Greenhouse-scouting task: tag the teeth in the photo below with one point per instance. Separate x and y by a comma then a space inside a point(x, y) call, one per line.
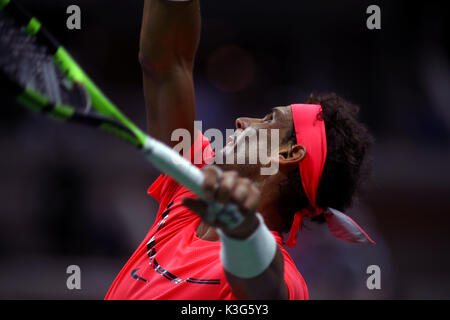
point(233, 138)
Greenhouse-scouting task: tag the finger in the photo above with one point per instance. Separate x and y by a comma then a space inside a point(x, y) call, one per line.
point(226, 186)
point(212, 176)
point(251, 203)
point(241, 190)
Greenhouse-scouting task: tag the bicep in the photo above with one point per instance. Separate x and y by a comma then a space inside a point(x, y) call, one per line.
point(170, 102)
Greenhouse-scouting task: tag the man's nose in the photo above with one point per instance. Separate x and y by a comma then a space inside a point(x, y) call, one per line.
point(244, 123)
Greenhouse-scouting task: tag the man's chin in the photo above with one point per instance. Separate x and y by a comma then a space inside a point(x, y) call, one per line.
point(244, 170)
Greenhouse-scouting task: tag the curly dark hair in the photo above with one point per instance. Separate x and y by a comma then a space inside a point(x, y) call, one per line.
point(346, 165)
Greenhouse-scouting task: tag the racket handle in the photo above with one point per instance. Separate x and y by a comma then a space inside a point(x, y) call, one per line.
point(185, 173)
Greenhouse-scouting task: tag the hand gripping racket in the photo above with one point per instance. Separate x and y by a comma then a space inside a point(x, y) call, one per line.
point(40, 74)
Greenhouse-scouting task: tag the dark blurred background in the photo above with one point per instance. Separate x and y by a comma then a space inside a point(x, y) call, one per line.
point(70, 195)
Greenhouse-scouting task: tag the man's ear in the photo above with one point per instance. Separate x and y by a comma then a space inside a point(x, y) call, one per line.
point(291, 157)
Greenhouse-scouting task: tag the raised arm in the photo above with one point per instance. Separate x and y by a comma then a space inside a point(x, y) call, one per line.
point(169, 39)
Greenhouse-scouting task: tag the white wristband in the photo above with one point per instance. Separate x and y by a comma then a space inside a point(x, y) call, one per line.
point(249, 257)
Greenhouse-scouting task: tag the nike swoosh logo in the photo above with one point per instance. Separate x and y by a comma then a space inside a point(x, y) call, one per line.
point(135, 276)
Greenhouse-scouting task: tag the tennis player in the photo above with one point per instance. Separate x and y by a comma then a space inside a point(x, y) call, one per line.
point(190, 252)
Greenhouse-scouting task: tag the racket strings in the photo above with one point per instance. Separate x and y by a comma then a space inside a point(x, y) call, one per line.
point(20, 56)
point(30, 64)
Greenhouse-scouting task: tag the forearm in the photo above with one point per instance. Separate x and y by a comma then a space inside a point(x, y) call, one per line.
point(170, 34)
point(254, 266)
point(269, 285)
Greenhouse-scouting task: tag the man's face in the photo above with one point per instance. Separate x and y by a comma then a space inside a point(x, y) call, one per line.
point(256, 137)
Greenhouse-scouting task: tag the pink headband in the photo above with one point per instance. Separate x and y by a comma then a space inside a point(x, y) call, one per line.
point(310, 132)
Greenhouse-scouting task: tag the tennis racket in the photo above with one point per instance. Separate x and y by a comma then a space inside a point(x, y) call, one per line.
point(39, 74)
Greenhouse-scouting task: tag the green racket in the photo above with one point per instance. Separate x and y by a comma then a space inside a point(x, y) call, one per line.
point(38, 73)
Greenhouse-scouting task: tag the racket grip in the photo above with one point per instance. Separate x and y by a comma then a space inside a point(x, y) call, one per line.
point(185, 173)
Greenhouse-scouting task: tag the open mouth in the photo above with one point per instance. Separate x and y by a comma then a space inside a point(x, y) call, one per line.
point(233, 138)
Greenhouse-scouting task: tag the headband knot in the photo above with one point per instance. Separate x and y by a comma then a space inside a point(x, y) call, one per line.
point(310, 132)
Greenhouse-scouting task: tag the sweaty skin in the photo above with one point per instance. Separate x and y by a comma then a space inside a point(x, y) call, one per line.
point(239, 181)
point(169, 38)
